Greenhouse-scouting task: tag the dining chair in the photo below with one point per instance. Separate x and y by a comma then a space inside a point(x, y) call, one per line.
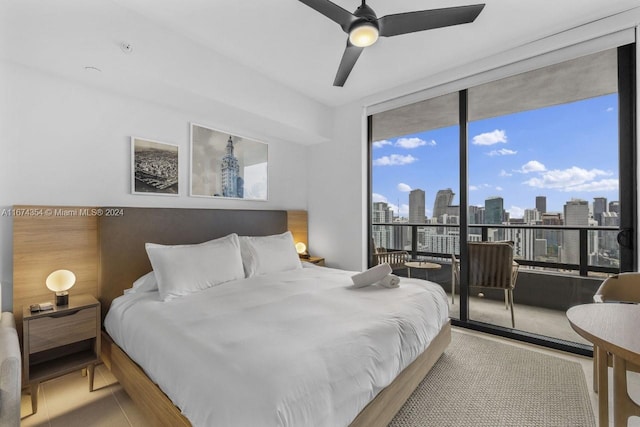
point(619, 288)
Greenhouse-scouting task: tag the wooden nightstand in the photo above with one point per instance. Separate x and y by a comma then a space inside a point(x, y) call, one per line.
point(59, 341)
point(314, 260)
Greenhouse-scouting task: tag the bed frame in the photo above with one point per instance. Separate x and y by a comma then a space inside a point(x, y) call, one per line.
point(121, 258)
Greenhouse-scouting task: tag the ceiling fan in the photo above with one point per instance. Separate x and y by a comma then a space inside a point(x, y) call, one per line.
point(364, 27)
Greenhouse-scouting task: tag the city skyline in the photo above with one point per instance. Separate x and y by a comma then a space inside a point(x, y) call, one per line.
point(563, 152)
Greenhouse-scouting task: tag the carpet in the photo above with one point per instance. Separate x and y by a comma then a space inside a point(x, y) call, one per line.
point(479, 382)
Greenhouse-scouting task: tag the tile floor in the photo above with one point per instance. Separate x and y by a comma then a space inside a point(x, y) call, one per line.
point(66, 401)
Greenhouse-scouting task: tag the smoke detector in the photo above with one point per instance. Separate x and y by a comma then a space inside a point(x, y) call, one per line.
point(126, 47)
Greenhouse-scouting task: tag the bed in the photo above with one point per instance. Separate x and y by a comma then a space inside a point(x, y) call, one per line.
point(294, 348)
point(122, 260)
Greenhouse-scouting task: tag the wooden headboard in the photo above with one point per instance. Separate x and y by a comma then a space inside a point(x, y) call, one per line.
point(122, 254)
point(107, 251)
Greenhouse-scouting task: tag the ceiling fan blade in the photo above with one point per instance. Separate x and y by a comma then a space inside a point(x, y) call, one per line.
point(343, 17)
point(410, 22)
point(349, 58)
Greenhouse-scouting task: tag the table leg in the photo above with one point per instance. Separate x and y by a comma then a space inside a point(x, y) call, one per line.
point(34, 387)
point(623, 405)
point(409, 272)
point(602, 374)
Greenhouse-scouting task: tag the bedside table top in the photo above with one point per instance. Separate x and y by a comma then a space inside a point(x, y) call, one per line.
point(75, 302)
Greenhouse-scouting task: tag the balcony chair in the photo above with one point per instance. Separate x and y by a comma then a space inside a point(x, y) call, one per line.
point(395, 259)
point(621, 288)
point(491, 265)
point(455, 278)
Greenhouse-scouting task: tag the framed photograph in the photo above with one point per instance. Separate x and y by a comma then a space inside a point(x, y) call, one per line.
point(227, 165)
point(154, 167)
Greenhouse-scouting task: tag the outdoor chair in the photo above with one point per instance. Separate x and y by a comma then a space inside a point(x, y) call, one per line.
point(491, 265)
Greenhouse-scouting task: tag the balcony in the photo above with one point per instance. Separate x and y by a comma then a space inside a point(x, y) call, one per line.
point(551, 278)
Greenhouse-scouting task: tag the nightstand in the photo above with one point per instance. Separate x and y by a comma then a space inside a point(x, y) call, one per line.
point(56, 342)
point(314, 260)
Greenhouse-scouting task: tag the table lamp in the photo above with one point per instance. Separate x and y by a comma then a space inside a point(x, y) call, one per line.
point(60, 281)
point(301, 248)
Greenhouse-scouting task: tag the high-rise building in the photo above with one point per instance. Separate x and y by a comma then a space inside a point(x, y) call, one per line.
point(599, 207)
point(417, 206)
point(553, 237)
point(531, 216)
point(382, 234)
point(541, 204)
point(614, 207)
point(444, 198)
point(576, 212)
point(231, 181)
point(494, 210)
point(476, 214)
point(609, 239)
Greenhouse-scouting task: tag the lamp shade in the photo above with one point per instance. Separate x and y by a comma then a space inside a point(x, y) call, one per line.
point(301, 248)
point(60, 280)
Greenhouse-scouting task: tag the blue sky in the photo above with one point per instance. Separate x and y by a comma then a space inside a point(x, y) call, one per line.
point(561, 152)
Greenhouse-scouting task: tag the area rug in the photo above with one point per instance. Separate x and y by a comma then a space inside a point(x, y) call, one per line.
point(481, 382)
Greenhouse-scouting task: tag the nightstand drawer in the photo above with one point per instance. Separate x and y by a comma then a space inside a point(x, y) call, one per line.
point(55, 330)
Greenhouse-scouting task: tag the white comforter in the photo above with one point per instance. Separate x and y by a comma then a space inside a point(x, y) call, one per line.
point(299, 348)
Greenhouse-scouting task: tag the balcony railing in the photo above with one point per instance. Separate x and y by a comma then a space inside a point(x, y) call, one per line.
point(605, 235)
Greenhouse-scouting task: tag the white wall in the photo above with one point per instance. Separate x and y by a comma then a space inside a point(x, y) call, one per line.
point(65, 143)
point(338, 191)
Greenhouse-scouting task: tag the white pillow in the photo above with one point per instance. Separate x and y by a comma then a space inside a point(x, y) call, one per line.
point(269, 254)
point(184, 269)
point(146, 283)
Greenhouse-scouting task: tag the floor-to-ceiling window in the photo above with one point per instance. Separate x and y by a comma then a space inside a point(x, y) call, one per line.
point(546, 161)
point(543, 150)
point(414, 181)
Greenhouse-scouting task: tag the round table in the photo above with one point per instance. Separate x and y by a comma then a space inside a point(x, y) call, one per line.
point(422, 265)
point(612, 328)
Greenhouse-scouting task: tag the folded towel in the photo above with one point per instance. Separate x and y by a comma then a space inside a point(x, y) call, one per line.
point(390, 281)
point(371, 276)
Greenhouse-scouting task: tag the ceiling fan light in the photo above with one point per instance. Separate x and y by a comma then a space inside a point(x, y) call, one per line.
point(363, 35)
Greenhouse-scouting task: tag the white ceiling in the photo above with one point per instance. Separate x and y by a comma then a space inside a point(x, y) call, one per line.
point(284, 40)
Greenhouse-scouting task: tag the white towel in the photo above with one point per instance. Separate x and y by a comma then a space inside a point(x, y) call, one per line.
point(390, 281)
point(371, 276)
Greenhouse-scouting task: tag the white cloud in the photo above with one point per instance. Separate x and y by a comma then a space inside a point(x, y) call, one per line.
point(532, 166)
point(573, 179)
point(502, 152)
point(610, 109)
point(405, 188)
point(499, 188)
point(505, 173)
point(410, 143)
point(515, 212)
point(490, 138)
point(378, 198)
point(602, 185)
point(478, 187)
point(394, 160)
point(381, 143)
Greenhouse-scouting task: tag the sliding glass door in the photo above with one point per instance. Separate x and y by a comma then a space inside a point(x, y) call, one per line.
point(543, 151)
point(414, 180)
point(544, 159)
